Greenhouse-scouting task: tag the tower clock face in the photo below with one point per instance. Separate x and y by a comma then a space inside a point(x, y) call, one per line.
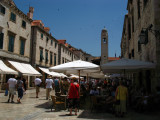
point(104, 40)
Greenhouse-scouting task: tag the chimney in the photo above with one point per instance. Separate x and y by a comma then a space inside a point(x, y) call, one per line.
point(46, 29)
point(30, 14)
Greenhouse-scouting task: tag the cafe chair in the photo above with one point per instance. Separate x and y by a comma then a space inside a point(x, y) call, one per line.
point(55, 102)
point(94, 103)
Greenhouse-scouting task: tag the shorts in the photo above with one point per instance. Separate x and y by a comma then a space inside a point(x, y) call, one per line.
point(73, 102)
point(12, 91)
point(37, 89)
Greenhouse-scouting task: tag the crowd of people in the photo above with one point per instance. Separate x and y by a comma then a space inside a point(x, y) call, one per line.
point(117, 92)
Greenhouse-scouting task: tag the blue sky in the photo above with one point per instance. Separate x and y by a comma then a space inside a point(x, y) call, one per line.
point(80, 21)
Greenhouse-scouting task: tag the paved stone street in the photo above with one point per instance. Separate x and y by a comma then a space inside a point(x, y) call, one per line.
point(33, 108)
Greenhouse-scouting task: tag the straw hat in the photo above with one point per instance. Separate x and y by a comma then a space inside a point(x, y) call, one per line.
point(49, 76)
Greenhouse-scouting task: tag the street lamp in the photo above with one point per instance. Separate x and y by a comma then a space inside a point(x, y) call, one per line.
point(143, 37)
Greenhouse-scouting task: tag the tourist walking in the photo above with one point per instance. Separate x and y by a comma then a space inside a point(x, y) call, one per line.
point(12, 88)
point(20, 88)
point(57, 85)
point(37, 82)
point(49, 84)
point(121, 94)
point(73, 95)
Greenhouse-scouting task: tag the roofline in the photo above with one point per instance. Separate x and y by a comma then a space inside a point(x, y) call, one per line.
point(19, 11)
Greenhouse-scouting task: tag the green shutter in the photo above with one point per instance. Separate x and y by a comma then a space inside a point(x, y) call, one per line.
point(41, 55)
point(54, 59)
point(22, 47)
point(1, 40)
point(13, 17)
point(11, 43)
point(46, 56)
point(51, 58)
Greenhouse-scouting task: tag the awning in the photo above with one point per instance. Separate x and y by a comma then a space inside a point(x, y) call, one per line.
point(6, 70)
point(54, 74)
point(25, 69)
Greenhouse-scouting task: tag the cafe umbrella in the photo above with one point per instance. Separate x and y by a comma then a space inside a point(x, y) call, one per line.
point(78, 66)
point(126, 64)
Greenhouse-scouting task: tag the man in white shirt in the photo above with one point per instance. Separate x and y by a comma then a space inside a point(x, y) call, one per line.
point(12, 88)
point(37, 82)
point(49, 84)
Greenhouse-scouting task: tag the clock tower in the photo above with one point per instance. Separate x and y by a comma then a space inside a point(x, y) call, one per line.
point(104, 46)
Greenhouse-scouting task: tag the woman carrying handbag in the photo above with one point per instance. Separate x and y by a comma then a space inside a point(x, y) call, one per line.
point(121, 99)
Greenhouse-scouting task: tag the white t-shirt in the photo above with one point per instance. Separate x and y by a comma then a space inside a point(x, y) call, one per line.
point(49, 83)
point(12, 82)
point(37, 81)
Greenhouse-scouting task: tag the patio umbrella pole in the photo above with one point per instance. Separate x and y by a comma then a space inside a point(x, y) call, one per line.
point(79, 76)
point(87, 77)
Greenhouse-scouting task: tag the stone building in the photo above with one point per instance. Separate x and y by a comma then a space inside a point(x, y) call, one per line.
point(141, 40)
point(65, 54)
point(15, 29)
point(44, 47)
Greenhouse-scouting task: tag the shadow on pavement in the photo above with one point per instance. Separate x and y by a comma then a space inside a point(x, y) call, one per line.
point(95, 115)
point(45, 105)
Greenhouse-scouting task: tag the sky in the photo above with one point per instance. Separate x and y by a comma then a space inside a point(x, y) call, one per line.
point(80, 22)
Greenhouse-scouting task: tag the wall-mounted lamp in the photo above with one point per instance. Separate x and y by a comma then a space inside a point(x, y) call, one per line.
point(143, 37)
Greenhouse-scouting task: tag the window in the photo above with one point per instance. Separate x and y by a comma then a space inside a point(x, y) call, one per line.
point(139, 47)
point(46, 56)
point(129, 55)
point(41, 35)
point(23, 24)
point(13, 17)
point(22, 46)
point(51, 55)
point(132, 20)
point(55, 57)
point(129, 29)
point(47, 39)
point(145, 2)
point(1, 40)
point(104, 40)
point(132, 52)
point(2, 9)
point(55, 44)
point(63, 60)
point(11, 43)
point(139, 9)
point(41, 55)
point(51, 42)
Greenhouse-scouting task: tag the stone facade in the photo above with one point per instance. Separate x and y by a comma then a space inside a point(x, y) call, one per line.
point(65, 54)
point(44, 48)
point(14, 28)
point(143, 15)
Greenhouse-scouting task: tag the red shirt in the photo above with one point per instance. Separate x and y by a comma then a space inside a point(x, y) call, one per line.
point(74, 91)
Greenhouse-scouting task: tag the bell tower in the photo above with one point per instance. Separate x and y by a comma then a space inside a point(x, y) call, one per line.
point(104, 46)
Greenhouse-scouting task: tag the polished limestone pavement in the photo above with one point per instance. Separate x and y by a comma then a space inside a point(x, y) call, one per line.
point(33, 108)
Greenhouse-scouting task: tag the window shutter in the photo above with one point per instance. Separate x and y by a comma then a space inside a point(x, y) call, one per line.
point(3, 10)
point(1, 40)
point(11, 43)
point(22, 47)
